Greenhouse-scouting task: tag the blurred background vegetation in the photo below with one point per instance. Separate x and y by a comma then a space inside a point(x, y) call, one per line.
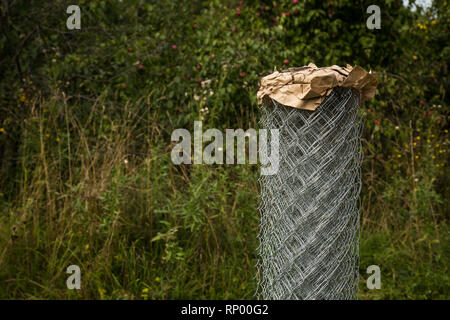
point(85, 121)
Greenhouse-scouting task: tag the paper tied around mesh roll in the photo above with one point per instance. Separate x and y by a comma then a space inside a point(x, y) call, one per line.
point(306, 87)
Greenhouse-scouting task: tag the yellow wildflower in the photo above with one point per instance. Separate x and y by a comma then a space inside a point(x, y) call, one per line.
point(101, 292)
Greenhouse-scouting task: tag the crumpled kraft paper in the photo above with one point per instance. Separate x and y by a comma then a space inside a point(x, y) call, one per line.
point(306, 87)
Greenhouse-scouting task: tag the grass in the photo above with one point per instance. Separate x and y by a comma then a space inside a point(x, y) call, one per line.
point(101, 192)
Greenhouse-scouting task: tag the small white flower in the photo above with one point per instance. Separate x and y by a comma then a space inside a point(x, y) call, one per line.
point(205, 83)
point(125, 161)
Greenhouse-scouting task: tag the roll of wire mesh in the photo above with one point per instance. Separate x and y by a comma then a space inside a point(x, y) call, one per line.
point(309, 229)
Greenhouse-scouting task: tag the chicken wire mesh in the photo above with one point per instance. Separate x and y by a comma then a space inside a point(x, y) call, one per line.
point(309, 229)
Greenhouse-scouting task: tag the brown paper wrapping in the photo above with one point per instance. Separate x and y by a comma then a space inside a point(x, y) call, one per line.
point(306, 87)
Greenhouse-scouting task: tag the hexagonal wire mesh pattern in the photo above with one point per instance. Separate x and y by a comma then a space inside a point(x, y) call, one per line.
point(309, 229)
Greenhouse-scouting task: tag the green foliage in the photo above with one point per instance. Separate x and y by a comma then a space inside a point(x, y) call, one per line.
point(85, 123)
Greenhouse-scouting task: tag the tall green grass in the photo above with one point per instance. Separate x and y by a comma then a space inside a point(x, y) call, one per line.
point(140, 227)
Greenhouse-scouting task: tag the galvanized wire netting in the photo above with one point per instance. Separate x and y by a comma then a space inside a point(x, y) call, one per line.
point(309, 233)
